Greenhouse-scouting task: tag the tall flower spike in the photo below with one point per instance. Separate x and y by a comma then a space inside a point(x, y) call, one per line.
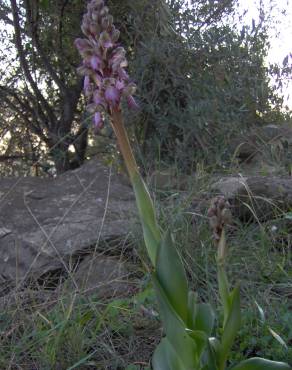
point(106, 82)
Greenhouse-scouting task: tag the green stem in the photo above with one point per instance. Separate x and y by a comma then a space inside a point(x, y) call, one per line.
point(124, 143)
point(224, 290)
point(144, 202)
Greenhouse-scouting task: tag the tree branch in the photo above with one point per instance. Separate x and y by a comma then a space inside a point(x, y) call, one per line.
point(36, 129)
point(4, 15)
point(216, 13)
point(33, 25)
point(4, 158)
point(24, 63)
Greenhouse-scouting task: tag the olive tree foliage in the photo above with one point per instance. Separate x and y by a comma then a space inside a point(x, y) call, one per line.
point(202, 82)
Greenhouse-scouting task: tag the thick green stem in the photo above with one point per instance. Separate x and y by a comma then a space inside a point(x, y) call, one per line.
point(145, 206)
point(124, 143)
point(224, 290)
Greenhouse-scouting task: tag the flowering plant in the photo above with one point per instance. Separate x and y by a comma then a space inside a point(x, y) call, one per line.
point(188, 343)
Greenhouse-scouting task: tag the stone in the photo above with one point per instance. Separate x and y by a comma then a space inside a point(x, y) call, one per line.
point(169, 179)
point(260, 198)
point(229, 186)
point(44, 221)
point(102, 276)
point(257, 151)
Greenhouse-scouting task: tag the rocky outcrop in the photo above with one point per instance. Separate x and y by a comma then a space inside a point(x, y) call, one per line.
point(257, 197)
point(257, 150)
point(46, 224)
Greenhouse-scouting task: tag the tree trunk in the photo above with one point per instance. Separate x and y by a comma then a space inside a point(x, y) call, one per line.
point(60, 156)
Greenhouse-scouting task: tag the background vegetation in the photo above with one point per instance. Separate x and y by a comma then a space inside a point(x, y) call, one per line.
point(200, 79)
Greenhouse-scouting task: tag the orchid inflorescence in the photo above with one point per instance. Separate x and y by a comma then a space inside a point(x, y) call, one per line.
point(219, 215)
point(106, 80)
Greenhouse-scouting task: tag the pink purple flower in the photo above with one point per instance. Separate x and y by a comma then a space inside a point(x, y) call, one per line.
point(106, 81)
point(98, 121)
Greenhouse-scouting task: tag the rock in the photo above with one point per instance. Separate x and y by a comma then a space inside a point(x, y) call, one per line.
point(103, 276)
point(169, 180)
point(229, 186)
point(257, 197)
point(44, 222)
point(258, 150)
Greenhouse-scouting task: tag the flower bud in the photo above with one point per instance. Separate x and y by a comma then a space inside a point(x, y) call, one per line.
point(95, 5)
point(120, 85)
point(98, 99)
point(105, 40)
point(105, 23)
point(95, 62)
point(86, 82)
point(130, 89)
point(83, 71)
point(213, 221)
point(98, 121)
point(132, 104)
point(104, 11)
point(226, 216)
point(221, 202)
point(115, 35)
point(88, 87)
point(82, 45)
point(112, 95)
point(94, 29)
point(211, 212)
point(91, 108)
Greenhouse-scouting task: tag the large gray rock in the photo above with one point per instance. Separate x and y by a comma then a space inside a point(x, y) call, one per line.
point(256, 197)
point(229, 186)
point(44, 222)
point(263, 150)
point(103, 276)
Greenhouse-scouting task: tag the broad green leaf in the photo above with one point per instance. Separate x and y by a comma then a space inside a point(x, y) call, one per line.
point(231, 328)
point(192, 310)
point(165, 358)
point(210, 355)
point(147, 215)
point(205, 318)
point(196, 333)
point(151, 242)
point(200, 339)
point(171, 276)
point(257, 363)
point(176, 333)
point(215, 345)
